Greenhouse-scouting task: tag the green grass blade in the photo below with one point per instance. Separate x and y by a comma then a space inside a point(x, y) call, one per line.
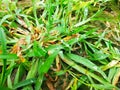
point(50, 11)
point(4, 19)
point(104, 87)
point(19, 74)
point(89, 19)
point(83, 70)
point(24, 83)
point(86, 63)
point(3, 41)
point(8, 56)
point(4, 51)
point(38, 51)
point(9, 81)
point(9, 74)
point(32, 72)
point(45, 67)
point(111, 73)
point(35, 12)
point(39, 81)
point(4, 88)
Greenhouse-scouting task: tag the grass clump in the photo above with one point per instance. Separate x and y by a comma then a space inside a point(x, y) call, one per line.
point(59, 44)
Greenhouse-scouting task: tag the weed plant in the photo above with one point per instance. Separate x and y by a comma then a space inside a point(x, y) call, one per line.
point(59, 44)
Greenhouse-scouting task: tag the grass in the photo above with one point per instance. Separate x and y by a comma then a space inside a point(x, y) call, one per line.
point(59, 44)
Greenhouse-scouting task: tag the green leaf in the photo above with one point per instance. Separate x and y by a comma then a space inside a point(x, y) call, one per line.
point(9, 74)
point(89, 19)
point(82, 70)
point(24, 83)
point(19, 74)
point(99, 55)
point(8, 56)
point(4, 88)
point(4, 51)
point(9, 81)
point(85, 13)
point(39, 81)
point(32, 72)
point(3, 41)
point(4, 18)
point(79, 29)
point(100, 86)
point(61, 72)
point(52, 48)
point(111, 73)
point(86, 63)
point(38, 51)
point(46, 65)
point(100, 38)
point(73, 41)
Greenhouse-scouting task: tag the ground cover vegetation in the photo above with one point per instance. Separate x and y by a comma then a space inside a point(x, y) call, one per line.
point(59, 44)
